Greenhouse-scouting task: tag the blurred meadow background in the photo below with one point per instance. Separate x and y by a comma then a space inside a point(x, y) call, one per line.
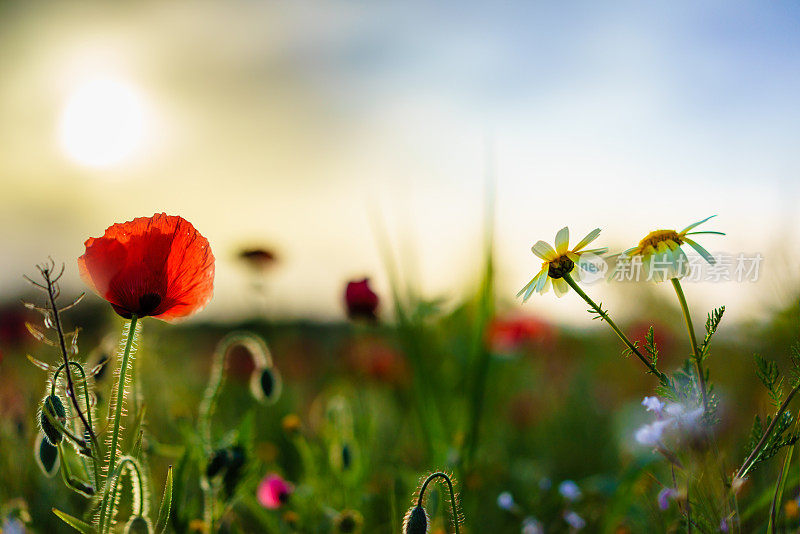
point(425, 146)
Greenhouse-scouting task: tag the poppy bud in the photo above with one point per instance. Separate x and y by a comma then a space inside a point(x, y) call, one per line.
point(81, 487)
point(218, 462)
point(46, 456)
point(342, 456)
point(52, 408)
point(416, 521)
point(236, 461)
point(361, 301)
point(138, 525)
point(266, 385)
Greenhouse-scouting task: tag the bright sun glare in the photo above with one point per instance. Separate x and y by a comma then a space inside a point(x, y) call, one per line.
point(103, 122)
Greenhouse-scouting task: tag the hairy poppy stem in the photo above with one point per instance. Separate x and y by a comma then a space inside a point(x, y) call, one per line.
point(121, 394)
point(695, 350)
point(112, 453)
point(52, 293)
point(453, 502)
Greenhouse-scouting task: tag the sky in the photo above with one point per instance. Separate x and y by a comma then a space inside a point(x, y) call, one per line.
point(300, 126)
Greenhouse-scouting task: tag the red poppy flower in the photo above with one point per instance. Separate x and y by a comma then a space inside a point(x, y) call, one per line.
point(361, 301)
point(157, 266)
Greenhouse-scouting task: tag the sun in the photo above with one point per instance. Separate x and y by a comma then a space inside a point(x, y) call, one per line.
point(103, 123)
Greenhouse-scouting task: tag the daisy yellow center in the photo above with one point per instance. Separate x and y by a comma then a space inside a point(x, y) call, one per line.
point(671, 238)
point(560, 266)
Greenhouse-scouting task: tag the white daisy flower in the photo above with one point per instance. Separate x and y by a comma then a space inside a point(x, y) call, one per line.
point(661, 253)
point(559, 261)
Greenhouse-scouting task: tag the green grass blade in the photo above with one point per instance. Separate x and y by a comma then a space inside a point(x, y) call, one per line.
point(75, 523)
point(779, 487)
point(166, 504)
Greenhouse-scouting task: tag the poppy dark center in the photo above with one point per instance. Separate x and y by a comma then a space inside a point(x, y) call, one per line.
point(283, 496)
point(148, 304)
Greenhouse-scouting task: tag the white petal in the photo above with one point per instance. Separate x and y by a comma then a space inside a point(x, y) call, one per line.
point(528, 289)
point(562, 241)
point(545, 286)
point(700, 250)
point(542, 279)
point(693, 225)
point(591, 236)
point(560, 287)
point(544, 251)
point(597, 251)
point(681, 263)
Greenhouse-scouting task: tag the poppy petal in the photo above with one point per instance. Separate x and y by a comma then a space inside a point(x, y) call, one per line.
point(156, 266)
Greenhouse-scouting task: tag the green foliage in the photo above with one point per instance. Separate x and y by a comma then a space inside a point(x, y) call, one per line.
point(166, 503)
point(777, 439)
point(74, 522)
point(769, 374)
point(712, 323)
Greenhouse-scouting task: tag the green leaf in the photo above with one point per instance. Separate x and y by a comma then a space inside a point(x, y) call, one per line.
point(75, 523)
point(166, 503)
point(779, 488)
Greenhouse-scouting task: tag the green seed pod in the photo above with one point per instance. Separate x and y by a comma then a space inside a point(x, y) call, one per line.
point(138, 525)
point(46, 456)
point(52, 405)
point(416, 521)
point(266, 385)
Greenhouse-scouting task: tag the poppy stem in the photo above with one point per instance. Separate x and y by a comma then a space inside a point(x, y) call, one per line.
point(453, 501)
point(120, 398)
point(121, 393)
point(628, 343)
point(52, 294)
point(695, 350)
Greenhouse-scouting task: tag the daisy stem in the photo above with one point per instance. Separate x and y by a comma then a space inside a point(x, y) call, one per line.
point(695, 350)
point(628, 343)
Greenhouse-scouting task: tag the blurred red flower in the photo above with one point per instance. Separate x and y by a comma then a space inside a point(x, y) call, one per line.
point(375, 358)
point(508, 335)
point(362, 302)
point(273, 491)
point(157, 266)
point(13, 333)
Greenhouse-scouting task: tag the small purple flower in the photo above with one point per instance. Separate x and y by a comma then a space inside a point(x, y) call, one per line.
point(574, 520)
point(653, 404)
point(664, 496)
point(506, 501)
point(569, 490)
point(723, 525)
point(531, 526)
point(651, 434)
